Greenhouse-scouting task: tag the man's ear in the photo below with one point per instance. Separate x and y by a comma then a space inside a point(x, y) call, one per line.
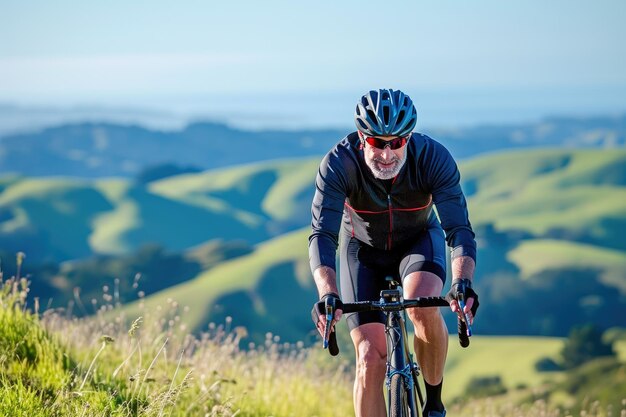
point(361, 140)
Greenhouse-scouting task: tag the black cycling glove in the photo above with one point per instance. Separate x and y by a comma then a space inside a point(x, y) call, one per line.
point(319, 308)
point(463, 286)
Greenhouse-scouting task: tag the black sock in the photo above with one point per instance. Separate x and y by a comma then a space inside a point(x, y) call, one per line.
point(433, 397)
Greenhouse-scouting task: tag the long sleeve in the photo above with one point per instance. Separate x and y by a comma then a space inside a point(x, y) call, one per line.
point(444, 179)
point(327, 212)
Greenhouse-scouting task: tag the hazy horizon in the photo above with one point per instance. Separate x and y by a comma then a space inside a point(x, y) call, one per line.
point(452, 108)
point(270, 65)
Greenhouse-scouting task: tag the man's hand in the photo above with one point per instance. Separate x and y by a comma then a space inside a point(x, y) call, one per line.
point(318, 313)
point(463, 287)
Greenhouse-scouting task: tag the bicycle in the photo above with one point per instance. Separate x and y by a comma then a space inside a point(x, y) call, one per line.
point(404, 394)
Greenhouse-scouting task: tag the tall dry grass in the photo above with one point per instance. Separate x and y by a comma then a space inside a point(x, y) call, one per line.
point(55, 364)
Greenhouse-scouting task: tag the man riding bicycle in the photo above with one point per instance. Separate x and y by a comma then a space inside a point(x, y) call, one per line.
point(375, 192)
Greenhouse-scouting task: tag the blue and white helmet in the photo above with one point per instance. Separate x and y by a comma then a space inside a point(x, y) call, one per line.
point(385, 113)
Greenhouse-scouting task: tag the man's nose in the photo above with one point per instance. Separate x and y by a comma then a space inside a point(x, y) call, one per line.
point(387, 153)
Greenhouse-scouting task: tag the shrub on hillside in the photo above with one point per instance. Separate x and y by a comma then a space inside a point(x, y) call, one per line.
point(583, 344)
point(485, 386)
point(603, 379)
point(547, 365)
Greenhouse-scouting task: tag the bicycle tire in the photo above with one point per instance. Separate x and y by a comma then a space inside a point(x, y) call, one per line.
point(398, 406)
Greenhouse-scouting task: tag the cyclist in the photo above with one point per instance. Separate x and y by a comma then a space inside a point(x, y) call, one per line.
point(377, 188)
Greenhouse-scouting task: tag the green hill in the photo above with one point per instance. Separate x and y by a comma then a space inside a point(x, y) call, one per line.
point(54, 364)
point(550, 227)
point(489, 356)
point(58, 219)
point(530, 248)
point(271, 195)
point(575, 195)
point(547, 254)
point(258, 290)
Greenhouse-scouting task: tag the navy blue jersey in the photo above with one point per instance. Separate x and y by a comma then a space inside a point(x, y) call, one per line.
point(386, 214)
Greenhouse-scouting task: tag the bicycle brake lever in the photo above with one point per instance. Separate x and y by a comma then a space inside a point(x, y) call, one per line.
point(465, 315)
point(329, 307)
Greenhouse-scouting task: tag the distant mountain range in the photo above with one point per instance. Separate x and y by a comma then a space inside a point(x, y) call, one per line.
point(104, 149)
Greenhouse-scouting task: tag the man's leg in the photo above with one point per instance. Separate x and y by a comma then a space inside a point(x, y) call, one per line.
point(431, 334)
point(371, 354)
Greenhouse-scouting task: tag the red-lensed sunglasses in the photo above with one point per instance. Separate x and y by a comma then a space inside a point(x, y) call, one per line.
point(393, 144)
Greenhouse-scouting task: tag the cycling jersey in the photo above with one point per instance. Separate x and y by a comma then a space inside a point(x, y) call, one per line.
point(386, 214)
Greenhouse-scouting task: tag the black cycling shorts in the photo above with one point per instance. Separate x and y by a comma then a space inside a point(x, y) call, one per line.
point(364, 269)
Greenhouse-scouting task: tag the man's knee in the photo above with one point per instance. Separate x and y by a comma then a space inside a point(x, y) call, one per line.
point(370, 360)
point(423, 317)
point(371, 350)
point(370, 355)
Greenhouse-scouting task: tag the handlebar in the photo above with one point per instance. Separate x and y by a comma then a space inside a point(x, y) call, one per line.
point(464, 328)
point(361, 306)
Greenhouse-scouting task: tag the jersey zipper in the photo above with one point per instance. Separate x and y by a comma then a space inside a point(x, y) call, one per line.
point(390, 213)
point(390, 222)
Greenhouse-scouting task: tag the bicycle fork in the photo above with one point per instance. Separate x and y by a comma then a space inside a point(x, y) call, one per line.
point(400, 362)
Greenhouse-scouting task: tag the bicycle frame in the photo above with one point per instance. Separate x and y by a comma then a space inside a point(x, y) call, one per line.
point(401, 369)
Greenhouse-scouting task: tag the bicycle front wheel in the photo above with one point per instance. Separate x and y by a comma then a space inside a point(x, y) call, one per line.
point(398, 398)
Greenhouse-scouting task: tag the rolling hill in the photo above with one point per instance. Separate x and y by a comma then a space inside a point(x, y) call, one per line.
point(61, 218)
point(550, 227)
point(572, 195)
point(528, 248)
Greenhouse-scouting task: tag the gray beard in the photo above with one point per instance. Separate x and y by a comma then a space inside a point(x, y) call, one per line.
point(385, 174)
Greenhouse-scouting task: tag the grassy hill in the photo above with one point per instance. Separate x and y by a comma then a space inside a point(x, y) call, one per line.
point(489, 356)
point(55, 365)
point(66, 218)
point(566, 194)
point(525, 230)
point(549, 254)
point(550, 226)
point(60, 219)
point(273, 196)
point(259, 290)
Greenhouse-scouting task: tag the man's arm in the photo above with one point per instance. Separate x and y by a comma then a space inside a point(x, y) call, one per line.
point(326, 214)
point(325, 281)
point(463, 267)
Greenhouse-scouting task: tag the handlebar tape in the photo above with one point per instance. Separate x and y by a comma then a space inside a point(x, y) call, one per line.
point(463, 337)
point(333, 348)
point(465, 329)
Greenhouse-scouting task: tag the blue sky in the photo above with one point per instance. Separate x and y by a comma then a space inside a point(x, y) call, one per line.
point(181, 53)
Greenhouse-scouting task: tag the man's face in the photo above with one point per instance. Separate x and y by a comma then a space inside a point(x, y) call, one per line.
point(385, 163)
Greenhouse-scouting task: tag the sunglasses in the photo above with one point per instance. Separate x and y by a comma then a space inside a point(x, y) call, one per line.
point(393, 144)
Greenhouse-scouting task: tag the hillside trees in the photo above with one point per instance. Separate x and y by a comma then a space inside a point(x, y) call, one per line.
point(122, 277)
point(584, 344)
